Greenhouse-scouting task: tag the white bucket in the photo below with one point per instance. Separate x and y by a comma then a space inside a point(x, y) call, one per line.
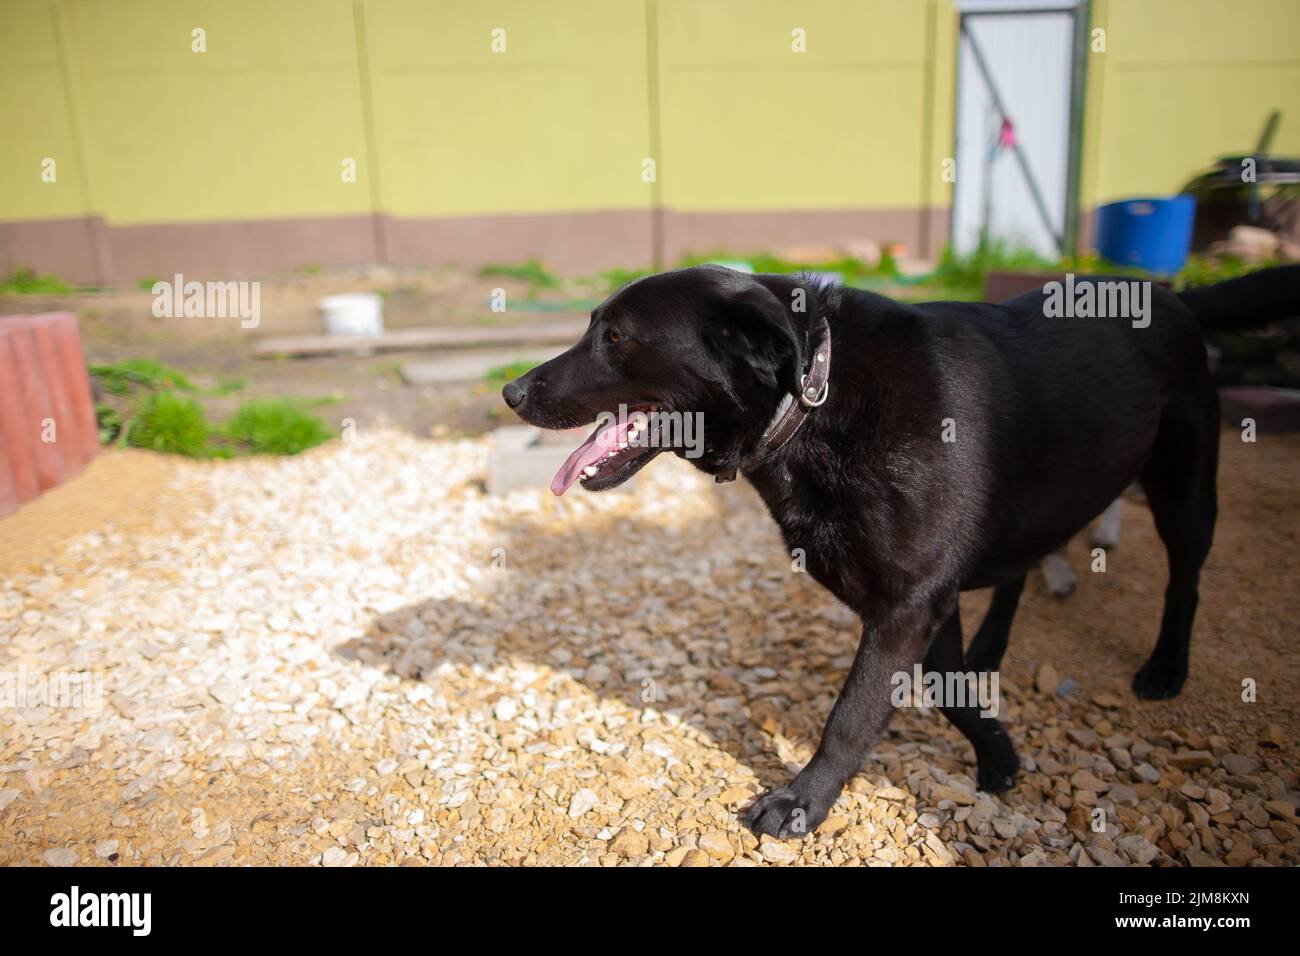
point(353, 313)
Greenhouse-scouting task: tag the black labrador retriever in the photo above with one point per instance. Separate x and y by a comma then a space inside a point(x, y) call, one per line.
point(915, 451)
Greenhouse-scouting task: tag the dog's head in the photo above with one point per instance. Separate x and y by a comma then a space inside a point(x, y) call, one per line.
point(694, 362)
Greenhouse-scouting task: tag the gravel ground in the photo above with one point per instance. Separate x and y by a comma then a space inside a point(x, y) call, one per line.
point(356, 657)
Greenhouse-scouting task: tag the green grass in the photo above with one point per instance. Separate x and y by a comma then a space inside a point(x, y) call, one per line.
point(611, 280)
point(851, 269)
point(968, 274)
point(320, 401)
point(228, 386)
point(118, 377)
point(27, 282)
point(157, 407)
point(1207, 270)
point(918, 292)
point(111, 423)
point(496, 378)
point(532, 272)
point(954, 277)
point(275, 426)
point(390, 369)
point(168, 422)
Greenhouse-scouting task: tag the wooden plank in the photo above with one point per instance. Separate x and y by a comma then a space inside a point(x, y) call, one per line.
point(560, 332)
point(469, 365)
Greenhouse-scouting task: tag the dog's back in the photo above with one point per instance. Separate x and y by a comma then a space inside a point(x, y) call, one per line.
point(1061, 410)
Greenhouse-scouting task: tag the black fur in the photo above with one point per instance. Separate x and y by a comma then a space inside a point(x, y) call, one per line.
point(1052, 419)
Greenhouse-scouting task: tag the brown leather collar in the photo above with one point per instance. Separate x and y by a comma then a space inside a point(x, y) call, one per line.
point(814, 388)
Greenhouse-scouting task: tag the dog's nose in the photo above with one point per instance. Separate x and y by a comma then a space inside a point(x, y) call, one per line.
point(514, 394)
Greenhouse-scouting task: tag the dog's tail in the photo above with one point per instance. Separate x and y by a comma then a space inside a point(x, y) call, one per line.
point(1247, 302)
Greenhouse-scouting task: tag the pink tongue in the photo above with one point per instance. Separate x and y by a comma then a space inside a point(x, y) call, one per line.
point(588, 453)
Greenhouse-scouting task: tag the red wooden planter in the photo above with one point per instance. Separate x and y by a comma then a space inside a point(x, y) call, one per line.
point(48, 430)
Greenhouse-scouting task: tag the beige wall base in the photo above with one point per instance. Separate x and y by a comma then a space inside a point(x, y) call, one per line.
point(92, 251)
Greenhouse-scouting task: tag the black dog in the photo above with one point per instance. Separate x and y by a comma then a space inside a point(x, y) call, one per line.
point(954, 447)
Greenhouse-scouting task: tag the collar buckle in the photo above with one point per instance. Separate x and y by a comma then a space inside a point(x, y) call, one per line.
point(808, 396)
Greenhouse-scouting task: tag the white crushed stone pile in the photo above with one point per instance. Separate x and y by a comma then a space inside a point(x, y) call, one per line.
point(357, 657)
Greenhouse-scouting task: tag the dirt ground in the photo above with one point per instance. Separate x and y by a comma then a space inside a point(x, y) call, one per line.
point(118, 324)
point(356, 657)
point(127, 490)
point(1247, 622)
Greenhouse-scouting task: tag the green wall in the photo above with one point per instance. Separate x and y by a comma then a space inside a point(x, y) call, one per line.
point(147, 131)
point(1181, 83)
point(148, 134)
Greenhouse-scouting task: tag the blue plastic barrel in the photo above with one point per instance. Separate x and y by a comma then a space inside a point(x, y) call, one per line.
point(1153, 234)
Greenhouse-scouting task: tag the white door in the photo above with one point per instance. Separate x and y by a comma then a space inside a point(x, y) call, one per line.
point(1012, 170)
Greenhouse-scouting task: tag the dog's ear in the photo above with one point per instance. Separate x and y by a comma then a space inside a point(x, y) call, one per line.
point(753, 327)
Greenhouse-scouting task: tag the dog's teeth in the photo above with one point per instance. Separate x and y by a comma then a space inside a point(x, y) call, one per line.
point(589, 470)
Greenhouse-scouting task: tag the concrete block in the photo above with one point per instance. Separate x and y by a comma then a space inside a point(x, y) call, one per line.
point(519, 459)
point(525, 457)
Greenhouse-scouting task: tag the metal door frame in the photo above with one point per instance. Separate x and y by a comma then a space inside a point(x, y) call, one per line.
point(1080, 13)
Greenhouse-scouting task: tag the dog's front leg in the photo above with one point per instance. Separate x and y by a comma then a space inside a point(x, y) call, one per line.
point(891, 642)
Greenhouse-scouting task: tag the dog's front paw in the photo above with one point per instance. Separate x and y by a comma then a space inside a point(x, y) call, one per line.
point(997, 772)
point(786, 813)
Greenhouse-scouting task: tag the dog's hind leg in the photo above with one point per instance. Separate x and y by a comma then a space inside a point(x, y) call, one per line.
point(1179, 481)
point(990, 641)
point(1105, 531)
point(1058, 575)
point(994, 753)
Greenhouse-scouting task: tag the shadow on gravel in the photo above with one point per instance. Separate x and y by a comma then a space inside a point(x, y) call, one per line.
point(736, 645)
point(705, 619)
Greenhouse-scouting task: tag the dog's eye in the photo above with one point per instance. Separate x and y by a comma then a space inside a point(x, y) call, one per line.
point(613, 336)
